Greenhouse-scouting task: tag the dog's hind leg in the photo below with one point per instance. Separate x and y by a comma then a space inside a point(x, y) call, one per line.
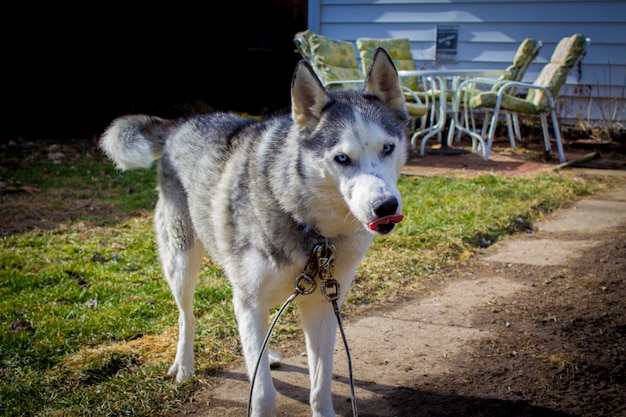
point(320, 330)
point(181, 255)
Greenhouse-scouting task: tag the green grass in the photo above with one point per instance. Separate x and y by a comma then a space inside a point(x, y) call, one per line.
point(87, 324)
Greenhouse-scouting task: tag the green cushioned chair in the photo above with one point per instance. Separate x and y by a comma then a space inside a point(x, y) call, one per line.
point(524, 56)
point(334, 61)
point(399, 49)
point(541, 95)
point(526, 53)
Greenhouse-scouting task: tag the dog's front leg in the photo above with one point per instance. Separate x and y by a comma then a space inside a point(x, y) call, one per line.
point(320, 330)
point(252, 319)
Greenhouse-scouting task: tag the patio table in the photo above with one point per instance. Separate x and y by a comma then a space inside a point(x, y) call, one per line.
point(439, 78)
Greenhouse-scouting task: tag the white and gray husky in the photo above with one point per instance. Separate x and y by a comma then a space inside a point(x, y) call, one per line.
point(259, 196)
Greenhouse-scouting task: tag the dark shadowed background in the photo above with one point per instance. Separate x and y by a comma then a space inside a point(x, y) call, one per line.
point(70, 70)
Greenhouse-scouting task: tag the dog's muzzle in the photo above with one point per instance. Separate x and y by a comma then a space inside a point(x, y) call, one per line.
point(387, 217)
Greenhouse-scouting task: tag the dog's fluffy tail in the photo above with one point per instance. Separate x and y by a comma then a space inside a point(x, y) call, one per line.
point(135, 141)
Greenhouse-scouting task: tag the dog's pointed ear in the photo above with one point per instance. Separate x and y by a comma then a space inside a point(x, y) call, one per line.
point(383, 82)
point(308, 96)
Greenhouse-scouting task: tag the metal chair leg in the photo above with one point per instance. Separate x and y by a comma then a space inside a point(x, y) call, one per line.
point(509, 129)
point(557, 136)
point(546, 133)
point(492, 129)
point(516, 128)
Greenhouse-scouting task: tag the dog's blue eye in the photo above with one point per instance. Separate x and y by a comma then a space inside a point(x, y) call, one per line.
point(342, 159)
point(388, 149)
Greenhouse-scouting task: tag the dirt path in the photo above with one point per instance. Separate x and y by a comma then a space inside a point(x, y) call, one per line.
point(535, 326)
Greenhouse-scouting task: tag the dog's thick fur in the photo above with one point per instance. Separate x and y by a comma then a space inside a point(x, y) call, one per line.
point(250, 192)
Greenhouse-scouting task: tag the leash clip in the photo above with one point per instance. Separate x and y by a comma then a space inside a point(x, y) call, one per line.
point(305, 284)
point(331, 290)
point(325, 256)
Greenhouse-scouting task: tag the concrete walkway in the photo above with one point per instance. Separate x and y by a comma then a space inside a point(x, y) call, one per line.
point(422, 338)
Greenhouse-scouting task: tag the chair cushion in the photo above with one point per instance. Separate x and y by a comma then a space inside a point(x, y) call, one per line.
point(511, 103)
point(554, 74)
point(568, 50)
point(416, 109)
point(398, 49)
point(335, 59)
point(435, 94)
point(527, 51)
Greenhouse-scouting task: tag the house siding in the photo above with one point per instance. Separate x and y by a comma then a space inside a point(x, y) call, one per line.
point(489, 33)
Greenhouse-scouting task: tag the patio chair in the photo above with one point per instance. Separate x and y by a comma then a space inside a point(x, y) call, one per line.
point(541, 95)
point(453, 88)
point(334, 61)
point(526, 53)
point(399, 49)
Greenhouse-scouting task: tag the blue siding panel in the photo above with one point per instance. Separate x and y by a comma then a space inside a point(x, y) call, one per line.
point(544, 12)
point(489, 33)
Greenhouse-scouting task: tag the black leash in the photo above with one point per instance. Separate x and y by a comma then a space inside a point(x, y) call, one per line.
point(320, 265)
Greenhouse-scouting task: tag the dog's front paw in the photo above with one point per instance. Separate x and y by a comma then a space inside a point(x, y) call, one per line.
point(180, 372)
point(274, 359)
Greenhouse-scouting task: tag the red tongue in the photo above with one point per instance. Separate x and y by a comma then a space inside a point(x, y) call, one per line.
point(394, 218)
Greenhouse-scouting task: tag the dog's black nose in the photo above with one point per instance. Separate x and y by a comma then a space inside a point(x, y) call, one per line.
point(387, 207)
